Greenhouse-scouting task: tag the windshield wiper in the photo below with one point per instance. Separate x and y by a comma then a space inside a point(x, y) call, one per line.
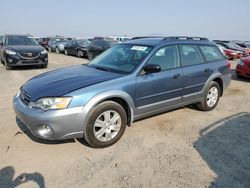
point(101, 68)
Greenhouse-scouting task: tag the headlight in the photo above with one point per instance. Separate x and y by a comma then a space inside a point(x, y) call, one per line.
point(51, 103)
point(10, 52)
point(241, 63)
point(44, 52)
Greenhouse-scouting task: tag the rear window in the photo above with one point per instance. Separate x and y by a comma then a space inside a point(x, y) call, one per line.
point(212, 53)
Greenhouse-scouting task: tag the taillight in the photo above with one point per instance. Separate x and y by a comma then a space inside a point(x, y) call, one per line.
point(228, 64)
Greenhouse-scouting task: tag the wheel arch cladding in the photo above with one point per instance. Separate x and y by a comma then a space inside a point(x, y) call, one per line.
point(220, 82)
point(124, 104)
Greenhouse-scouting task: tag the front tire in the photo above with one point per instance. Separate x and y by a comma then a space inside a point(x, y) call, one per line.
point(211, 97)
point(44, 66)
point(106, 124)
point(79, 53)
point(57, 50)
point(7, 67)
point(66, 52)
point(90, 55)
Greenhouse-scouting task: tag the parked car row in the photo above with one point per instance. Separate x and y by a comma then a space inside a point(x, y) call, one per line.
point(232, 49)
point(24, 50)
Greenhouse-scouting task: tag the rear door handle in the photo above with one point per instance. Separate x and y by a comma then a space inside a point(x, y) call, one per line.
point(176, 76)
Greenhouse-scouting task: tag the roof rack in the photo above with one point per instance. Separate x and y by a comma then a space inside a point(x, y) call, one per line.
point(223, 41)
point(184, 38)
point(145, 37)
point(172, 38)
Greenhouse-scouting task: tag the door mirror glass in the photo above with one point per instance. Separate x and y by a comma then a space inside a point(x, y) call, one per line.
point(152, 68)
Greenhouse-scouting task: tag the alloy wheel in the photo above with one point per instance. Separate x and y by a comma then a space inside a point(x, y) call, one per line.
point(107, 125)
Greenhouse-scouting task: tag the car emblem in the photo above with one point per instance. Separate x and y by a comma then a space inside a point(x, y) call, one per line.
point(29, 54)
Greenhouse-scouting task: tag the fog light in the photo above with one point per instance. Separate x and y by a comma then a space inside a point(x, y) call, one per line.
point(10, 60)
point(45, 131)
point(46, 59)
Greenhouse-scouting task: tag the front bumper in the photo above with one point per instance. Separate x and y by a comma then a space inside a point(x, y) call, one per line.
point(243, 71)
point(63, 124)
point(16, 60)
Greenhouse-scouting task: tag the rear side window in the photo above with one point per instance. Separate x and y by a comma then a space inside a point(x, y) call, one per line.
point(190, 55)
point(212, 53)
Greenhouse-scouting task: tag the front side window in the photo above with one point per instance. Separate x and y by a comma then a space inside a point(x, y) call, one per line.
point(190, 55)
point(20, 40)
point(167, 57)
point(212, 53)
point(121, 58)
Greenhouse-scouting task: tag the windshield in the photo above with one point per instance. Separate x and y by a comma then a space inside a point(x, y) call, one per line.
point(248, 45)
point(61, 40)
point(112, 42)
point(20, 40)
point(121, 58)
point(83, 42)
point(232, 45)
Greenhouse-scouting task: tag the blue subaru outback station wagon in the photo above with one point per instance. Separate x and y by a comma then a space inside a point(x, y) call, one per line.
point(130, 81)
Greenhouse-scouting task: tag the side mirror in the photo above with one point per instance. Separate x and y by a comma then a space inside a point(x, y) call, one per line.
point(152, 68)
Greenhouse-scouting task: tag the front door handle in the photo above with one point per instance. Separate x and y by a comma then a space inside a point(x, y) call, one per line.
point(176, 76)
point(206, 70)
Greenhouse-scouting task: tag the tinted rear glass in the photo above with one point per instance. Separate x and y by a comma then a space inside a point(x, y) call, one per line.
point(212, 53)
point(190, 55)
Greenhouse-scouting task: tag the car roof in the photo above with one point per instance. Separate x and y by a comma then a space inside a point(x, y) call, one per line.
point(17, 35)
point(156, 41)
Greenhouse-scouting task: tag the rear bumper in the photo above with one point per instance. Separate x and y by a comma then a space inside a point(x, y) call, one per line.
point(226, 81)
point(63, 124)
point(243, 71)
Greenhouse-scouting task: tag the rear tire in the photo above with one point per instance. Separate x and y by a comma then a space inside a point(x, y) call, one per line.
point(211, 97)
point(106, 124)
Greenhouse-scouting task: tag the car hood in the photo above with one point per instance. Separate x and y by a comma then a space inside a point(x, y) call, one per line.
point(62, 81)
point(26, 48)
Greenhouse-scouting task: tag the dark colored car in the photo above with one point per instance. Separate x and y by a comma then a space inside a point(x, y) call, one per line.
point(57, 44)
point(98, 46)
point(128, 82)
point(44, 42)
point(232, 46)
point(77, 47)
point(243, 67)
point(22, 50)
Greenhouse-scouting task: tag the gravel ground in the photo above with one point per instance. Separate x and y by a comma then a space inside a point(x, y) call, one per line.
point(181, 148)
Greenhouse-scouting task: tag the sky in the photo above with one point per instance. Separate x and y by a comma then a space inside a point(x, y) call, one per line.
point(215, 19)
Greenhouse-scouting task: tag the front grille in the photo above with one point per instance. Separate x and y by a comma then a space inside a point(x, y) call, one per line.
point(25, 98)
point(29, 55)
